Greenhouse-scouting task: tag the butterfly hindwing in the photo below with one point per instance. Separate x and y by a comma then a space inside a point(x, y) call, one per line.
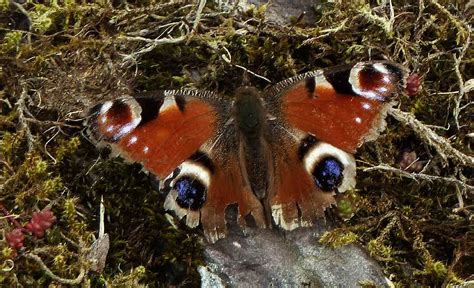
point(217, 189)
point(307, 174)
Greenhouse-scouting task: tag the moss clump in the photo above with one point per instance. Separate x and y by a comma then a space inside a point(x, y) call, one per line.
point(338, 237)
point(10, 41)
point(379, 250)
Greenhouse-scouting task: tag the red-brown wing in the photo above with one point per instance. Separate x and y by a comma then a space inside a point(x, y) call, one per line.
point(307, 174)
point(229, 187)
point(297, 201)
point(343, 106)
point(160, 130)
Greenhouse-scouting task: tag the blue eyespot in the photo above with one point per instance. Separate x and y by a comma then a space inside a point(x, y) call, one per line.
point(328, 174)
point(191, 193)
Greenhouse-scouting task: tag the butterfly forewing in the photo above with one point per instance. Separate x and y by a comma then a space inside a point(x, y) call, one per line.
point(343, 106)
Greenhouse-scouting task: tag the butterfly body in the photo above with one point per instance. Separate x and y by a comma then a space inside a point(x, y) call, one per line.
point(280, 155)
point(253, 130)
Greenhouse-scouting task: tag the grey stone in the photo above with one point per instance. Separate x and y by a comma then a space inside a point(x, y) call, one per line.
point(281, 11)
point(268, 257)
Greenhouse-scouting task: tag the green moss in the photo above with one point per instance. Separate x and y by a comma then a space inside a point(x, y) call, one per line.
point(379, 250)
point(367, 284)
point(8, 253)
point(67, 147)
point(338, 237)
point(9, 144)
point(59, 261)
point(345, 207)
point(10, 41)
point(129, 279)
point(41, 18)
point(69, 213)
point(35, 167)
point(49, 187)
point(4, 5)
point(438, 269)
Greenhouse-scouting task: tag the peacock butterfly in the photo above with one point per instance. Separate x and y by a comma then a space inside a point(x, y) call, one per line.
point(281, 155)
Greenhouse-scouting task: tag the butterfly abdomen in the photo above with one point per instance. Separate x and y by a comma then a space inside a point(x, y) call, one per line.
point(249, 115)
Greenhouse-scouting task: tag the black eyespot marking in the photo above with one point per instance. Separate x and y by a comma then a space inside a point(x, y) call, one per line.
point(339, 79)
point(94, 111)
point(328, 174)
point(150, 108)
point(180, 102)
point(191, 193)
point(308, 142)
point(166, 185)
point(203, 159)
point(311, 85)
point(396, 70)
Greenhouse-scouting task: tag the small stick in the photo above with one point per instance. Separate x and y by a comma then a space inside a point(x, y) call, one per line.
point(53, 276)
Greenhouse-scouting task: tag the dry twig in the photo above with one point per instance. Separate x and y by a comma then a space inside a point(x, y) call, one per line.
point(442, 146)
point(422, 176)
point(53, 276)
point(22, 111)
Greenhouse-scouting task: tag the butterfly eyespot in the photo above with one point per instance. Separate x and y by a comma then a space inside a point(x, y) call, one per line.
point(330, 167)
point(191, 193)
point(113, 120)
point(328, 174)
point(378, 81)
